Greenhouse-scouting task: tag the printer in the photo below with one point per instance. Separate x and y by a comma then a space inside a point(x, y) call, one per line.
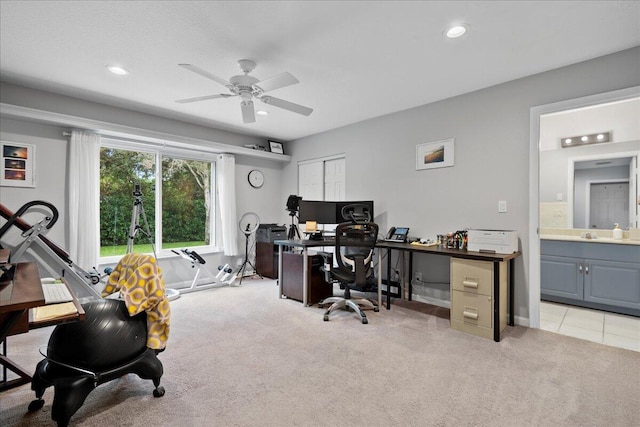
point(268, 233)
point(492, 241)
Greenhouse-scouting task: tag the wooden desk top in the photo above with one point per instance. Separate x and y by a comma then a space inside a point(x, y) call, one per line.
point(437, 250)
point(27, 293)
point(26, 288)
point(305, 243)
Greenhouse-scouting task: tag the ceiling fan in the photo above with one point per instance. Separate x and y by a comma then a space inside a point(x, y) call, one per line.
point(247, 88)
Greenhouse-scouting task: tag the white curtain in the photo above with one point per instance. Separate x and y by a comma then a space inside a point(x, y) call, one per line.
point(84, 199)
point(226, 177)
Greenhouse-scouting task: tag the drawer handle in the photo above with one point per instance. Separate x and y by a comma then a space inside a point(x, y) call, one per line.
point(470, 315)
point(470, 284)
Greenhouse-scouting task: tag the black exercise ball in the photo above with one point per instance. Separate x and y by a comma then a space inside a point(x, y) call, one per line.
point(106, 338)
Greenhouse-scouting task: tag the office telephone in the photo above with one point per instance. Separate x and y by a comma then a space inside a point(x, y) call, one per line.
point(397, 234)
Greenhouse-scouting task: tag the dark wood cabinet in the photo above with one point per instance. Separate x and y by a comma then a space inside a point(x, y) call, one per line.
point(267, 259)
point(319, 289)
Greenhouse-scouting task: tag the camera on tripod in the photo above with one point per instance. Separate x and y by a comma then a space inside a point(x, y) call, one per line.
point(137, 192)
point(293, 203)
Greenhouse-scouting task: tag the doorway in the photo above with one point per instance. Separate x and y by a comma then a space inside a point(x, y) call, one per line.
point(535, 178)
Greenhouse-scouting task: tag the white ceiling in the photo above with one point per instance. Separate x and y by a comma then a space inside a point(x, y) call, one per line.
point(355, 59)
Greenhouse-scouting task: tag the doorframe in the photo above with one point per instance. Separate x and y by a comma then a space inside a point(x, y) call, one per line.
point(534, 181)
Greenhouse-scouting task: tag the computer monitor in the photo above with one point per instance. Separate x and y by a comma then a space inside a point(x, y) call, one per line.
point(328, 212)
point(318, 211)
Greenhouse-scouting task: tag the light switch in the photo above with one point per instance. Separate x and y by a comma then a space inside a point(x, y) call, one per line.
point(502, 206)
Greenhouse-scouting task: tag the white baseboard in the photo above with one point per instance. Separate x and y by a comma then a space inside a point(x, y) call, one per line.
point(430, 300)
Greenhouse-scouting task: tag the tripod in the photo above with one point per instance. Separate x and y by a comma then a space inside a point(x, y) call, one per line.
point(134, 228)
point(247, 232)
point(293, 229)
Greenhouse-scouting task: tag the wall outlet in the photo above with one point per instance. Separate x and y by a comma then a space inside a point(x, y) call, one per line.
point(418, 277)
point(502, 206)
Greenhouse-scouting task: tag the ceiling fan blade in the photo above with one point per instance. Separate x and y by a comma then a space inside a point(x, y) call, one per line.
point(205, 73)
point(248, 115)
point(203, 98)
point(276, 82)
point(281, 103)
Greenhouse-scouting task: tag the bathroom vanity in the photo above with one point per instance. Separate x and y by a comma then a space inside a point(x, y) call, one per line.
point(600, 273)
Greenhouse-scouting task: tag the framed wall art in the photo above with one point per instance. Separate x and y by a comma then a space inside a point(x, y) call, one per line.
point(17, 164)
point(276, 147)
point(437, 154)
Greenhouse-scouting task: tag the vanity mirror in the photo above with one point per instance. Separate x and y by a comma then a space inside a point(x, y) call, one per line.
point(590, 186)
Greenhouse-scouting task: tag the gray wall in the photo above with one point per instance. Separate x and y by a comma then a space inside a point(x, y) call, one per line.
point(491, 131)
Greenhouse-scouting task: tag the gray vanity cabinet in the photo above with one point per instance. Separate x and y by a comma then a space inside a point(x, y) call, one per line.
point(561, 276)
point(595, 275)
point(614, 283)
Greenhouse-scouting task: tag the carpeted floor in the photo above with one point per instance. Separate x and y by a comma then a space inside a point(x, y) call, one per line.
point(240, 356)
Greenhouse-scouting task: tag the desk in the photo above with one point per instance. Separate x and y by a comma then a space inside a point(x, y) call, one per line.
point(305, 245)
point(494, 259)
point(26, 293)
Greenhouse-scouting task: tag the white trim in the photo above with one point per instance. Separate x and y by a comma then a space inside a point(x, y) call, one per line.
point(534, 182)
point(324, 159)
point(122, 132)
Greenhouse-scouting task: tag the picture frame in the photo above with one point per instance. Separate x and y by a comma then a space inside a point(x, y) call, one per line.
point(17, 164)
point(276, 147)
point(436, 154)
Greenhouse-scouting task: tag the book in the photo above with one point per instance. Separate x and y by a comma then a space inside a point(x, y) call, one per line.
point(52, 311)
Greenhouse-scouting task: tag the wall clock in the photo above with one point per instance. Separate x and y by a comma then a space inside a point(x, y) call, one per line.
point(256, 178)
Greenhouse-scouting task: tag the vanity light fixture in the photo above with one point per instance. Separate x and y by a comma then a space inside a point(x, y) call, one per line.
point(594, 138)
point(117, 70)
point(456, 31)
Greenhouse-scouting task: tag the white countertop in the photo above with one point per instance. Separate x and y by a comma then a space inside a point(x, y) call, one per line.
point(596, 240)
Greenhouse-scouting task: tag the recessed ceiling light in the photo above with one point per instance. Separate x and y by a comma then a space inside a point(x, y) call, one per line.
point(117, 70)
point(262, 113)
point(456, 31)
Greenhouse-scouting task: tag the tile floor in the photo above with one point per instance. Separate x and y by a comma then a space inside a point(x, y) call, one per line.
point(616, 330)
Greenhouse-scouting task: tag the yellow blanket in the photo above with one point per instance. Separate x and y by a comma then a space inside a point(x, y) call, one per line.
point(139, 280)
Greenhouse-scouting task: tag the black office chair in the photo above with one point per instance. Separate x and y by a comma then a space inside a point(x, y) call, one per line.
point(354, 255)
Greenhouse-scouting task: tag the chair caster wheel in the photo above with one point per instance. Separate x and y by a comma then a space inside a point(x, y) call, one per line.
point(158, 392)
point(326, 317)
point(36, 405)
point(376, 309)
point(364, 321)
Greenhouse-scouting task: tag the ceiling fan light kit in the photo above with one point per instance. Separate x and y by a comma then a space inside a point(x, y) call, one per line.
point(248, 87)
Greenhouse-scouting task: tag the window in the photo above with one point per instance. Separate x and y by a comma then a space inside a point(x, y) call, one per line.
point(152, 201)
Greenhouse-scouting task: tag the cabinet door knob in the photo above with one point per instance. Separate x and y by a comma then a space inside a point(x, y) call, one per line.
point(580, 268)
point(586, 269)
